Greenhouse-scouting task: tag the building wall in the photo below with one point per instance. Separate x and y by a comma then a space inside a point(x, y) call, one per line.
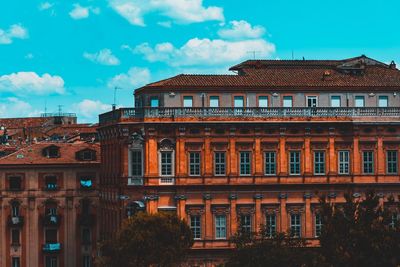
point(32, 199)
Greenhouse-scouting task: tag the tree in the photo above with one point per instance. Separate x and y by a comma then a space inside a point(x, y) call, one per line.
point(160, 239)
point(360, 232)
point(282, 250)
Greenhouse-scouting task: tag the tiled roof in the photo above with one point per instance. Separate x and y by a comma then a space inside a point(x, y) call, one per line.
point(295, 74)
point(33, 154)
point(14, 123)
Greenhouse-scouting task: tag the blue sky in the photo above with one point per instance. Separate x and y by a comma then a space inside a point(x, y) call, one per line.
point(74, 52)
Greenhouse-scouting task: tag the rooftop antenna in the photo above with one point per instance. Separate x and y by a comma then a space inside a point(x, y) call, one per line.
point(254, 53)
point(60, 110)
point(114, 105)
point(45, 106)
point(292, 55)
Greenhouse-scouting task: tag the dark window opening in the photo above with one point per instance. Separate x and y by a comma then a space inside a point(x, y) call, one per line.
point(15, 262)
point(51, 235)
point(86, 236)
point(86, 182)
point(51, 152)
point(15, 183)
point(15, 236)
point(51, 182)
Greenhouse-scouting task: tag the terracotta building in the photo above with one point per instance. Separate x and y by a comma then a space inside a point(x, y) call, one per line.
point(48, 205)
point(230, 152)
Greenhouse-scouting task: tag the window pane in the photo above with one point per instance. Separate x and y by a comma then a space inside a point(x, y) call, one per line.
point(335, 101)
point(263, 101)
point(359, 101)
point(391, 162)
point(214, 101)
point(319, 162)
point(270, 223)
point(344, 162)
point(166, 163)
point(318, 225)
point(220, 226)
point(15, 236)
point(195, 226)
point(187, 101)
point(294, 162)
point(287, 101)
point(245, 163)
point(270, 163)
point(383, 101)
point(136, 163)
point(219, 163)
point(295, 225)
point(245, 223)
point(194, 163)
point(368, 162)
point(238, 102)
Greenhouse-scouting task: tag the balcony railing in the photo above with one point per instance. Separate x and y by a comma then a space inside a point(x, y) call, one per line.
point(319, 112)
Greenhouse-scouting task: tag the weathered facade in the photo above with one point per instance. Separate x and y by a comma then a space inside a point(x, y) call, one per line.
point(48, 205)
point(230, 152)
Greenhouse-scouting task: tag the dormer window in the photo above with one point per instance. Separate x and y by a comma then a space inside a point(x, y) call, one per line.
point(86, 182)
point(86, 155)
point(51, 152)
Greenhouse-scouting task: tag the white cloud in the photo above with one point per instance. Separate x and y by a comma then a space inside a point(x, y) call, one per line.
point(165, 24)
point(81, 12)
point(134, 78)
point(197, 52)
point(15, 31)
point(12, 107)
point(24, 83)
point(103, 57)
point(241, 30)
point(90, 109)
point(29, 56)
point(45, 6)
point(181, 11)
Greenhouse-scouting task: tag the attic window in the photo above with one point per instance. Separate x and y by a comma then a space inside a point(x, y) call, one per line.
point(15, 183)
point(51, 152)
point(51, 182)
point(86, 155)
point(86, 182)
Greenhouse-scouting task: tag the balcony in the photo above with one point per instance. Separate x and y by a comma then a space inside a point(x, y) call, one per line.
point(51, 220)
point(142, 114)
point(52, 247)
point(16, 221)
point(135, 180)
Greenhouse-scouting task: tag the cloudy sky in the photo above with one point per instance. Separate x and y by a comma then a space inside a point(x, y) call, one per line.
point(74, 52)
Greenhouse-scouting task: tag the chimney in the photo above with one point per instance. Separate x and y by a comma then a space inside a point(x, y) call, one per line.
point(392, 65)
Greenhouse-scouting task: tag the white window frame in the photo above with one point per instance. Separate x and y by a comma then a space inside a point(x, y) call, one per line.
point(359, 97)
point(318, 161)
point(270, 163)
point(386, 99)
point(219, 163)
point(167, 178)
point(246, 221)
point(312, 97)
point(334, 97)
point(317, 224)
point(270, 225)
point(370, 161)
point(220, 228)
point(238, 97)
point(286, 98)
point(249, 162)
point(135, 179)
point(187, 98)
point(342, 162)
point(195, 226)
point(216, 98)
point(263, 98)
point(296, 225)
point(395, 162)
point(297, 163)
point(156, 99)
point(194, 164)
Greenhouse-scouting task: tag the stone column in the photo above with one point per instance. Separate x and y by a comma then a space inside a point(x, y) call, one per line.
point(282, 153)
point(380, 159)
point(356, 155)
point(207, 153)
point(308, 155)
point(258, 157)
point(258, 212)
point(232, 152)
point(181, 206)
point(208, 216)
point(233, 200)
point(308, 218)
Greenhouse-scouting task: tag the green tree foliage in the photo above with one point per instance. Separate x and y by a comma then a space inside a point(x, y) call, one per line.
point(148, 240)
point(359, 232)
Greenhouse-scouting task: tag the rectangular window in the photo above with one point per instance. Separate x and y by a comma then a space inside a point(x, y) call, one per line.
point(359, 102)
point(312, 101)
point(86, 261)
point(368, 162)
point(15, 236)
point(166, 163)
point(194, 163)
point(219, 163)
point(50, 182)
point(335, 101)
point(270, 163)
point(154, 103)
point(51, 261)
point(344, 162)
point(220, 226)
point(295, 225)
point(245, 223)
point(391, 161)
point(51, 235)
point(263, 101)
point(136, 163)
point(319, 162)
point(287, 101)
point(86, 236)
point(15, 262)
point(294, 162)
point(15, 183)
point(245, 163)
point(238, 102)
point(383, 101)
point(188, 101)
point(214, 101)
point(195, 226)
point(270, 225)
point(318, 224)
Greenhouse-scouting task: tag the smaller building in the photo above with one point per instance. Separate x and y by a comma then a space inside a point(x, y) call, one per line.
point(48, 205)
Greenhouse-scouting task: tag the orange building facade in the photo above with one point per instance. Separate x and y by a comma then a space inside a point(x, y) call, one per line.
point(49, 205)
point(238, 152)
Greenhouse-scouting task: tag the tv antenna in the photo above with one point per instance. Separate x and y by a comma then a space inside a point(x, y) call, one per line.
point(60, 110)
point(254, 53)
point(114, 105)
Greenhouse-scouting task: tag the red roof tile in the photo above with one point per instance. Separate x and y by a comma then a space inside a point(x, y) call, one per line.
point(33, 154)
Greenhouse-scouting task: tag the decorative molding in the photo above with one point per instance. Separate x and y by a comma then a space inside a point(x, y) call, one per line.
point(232, 196)
point(245, 209)
point(151, 197)
point(180, 197)
point(166, 145)
point(258, 196)
point(194, 209)
point(308, 195)
point(207, 196)
point(332, 195)
point(356, 195)
point(282, 196)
